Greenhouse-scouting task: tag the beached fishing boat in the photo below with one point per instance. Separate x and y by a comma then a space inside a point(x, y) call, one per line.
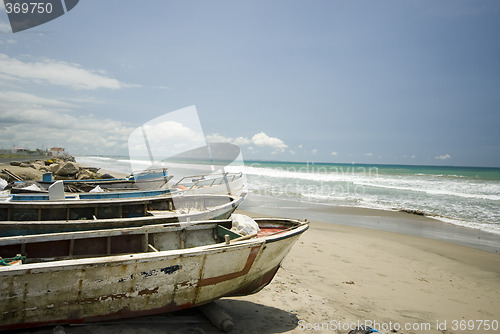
point(217, 183)
point(142, 180)
point(72, 278)
point(61, 195)
point(32, 217)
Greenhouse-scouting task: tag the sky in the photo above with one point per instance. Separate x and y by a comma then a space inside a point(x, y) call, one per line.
point(386, 81)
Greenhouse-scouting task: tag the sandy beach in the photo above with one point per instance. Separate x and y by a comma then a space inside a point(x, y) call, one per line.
point(339, 275)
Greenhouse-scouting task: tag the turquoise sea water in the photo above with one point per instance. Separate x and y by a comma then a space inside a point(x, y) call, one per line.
point(468, 196)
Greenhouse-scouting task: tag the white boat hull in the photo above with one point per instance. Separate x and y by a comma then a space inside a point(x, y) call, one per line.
point(89, 289)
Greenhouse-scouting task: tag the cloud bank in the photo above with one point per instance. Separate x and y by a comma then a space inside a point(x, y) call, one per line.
point(32, 121)
point(443, 157)
point(260, 139)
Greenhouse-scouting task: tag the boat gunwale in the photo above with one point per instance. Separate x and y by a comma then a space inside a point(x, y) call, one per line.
point(299, 228)
point(235, 201)
point(10, 240)
point(85, 202)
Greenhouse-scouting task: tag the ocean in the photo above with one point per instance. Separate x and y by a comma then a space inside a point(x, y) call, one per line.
point(465, 196)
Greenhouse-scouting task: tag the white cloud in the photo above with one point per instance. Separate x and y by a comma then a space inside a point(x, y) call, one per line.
point(369, 154)
point(54, 72)
point(169, 130)
point(314, 151)
point(334, 153)
point(443, 157)
point(76, 133)
point(13, 99)
point(261, 139)
point(217, 138)
point(164, 139)
point(241, 141)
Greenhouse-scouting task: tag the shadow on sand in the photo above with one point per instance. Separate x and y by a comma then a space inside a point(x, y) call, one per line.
point(248, 317)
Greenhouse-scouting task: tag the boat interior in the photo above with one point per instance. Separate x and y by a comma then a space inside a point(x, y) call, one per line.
point(153, 238)
point(29, 210)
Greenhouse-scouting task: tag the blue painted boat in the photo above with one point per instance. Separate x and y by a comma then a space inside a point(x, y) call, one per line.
point(141, 180)
point(87, 196)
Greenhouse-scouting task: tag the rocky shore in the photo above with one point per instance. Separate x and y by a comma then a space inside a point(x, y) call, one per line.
point(62, 168)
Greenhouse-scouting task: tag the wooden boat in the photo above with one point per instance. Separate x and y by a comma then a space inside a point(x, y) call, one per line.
point(72, 278)
point(36, 197)
point(31, 217)
point(141, 180)
point(218, 183)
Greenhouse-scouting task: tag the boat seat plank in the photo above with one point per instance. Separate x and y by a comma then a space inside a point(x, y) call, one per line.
point(222, 231)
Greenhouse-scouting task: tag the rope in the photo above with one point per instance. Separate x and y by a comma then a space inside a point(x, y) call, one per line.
point(6, 262)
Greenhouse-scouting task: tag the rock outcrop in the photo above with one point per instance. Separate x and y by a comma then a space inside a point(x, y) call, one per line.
point(62, 168)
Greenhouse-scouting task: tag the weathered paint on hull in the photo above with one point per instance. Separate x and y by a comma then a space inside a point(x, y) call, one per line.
point(105, 208)
point(77, 291)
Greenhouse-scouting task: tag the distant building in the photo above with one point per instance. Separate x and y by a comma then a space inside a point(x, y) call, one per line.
point(19, 150)
point(54, 151)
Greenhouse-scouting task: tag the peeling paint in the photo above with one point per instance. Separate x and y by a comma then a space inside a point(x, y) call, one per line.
point(152, 283)
point(166, 270)
point(148, 291)
point(171, 269)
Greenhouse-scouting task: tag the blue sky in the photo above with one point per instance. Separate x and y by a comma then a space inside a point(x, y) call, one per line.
point(409, 82)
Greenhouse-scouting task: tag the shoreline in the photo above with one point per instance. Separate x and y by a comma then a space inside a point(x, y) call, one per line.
point(374, 219)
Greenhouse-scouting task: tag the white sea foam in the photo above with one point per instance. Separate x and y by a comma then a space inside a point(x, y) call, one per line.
point(458, 200)
point(414, 183)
